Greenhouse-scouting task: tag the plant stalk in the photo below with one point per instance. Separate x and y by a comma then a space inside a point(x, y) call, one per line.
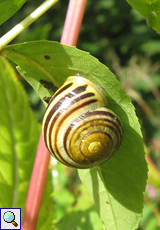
point(15, 31)
point(73, 22)
point(36, 187)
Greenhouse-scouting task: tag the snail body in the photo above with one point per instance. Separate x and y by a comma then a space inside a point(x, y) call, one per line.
point(78, 128)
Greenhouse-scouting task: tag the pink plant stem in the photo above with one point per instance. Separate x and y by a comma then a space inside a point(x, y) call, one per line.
point(36, 187)
point(73, 22)
point(39, 175)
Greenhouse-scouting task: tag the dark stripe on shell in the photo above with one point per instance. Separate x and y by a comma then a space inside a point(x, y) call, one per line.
point(60, 91)
point(59, 103)
point(56, 133)
point(119, 137)
point(80, 89)
point(98, 113)
point(106, 114)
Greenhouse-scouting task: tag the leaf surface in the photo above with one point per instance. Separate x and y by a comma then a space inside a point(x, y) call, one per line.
point(150, 9)
point(19, 135)
point(81, 213)
point(8, 8)
point(116, 186)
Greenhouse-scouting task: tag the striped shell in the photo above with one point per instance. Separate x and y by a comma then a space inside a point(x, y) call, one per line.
point(78, 128)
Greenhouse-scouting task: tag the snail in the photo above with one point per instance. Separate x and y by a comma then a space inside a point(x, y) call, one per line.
point(78, 128)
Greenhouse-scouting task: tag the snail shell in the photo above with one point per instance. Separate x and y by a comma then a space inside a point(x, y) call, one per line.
point(78, 128)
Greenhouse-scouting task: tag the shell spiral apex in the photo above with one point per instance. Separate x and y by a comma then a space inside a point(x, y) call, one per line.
point(78, 128)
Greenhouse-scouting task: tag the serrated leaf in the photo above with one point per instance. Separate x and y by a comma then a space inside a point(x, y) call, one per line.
point(117, 186)
point(8, 8)
point(19, 135)
point(150, 11)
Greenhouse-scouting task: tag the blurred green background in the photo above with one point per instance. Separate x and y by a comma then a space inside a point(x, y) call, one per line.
point(119, 37)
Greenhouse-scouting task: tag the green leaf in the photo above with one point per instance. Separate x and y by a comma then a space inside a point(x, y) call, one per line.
point(117, 186)
point(18, 148)
point(19, 135)
point(81, 214)
point(8, 8)
point(150, 11)
point(85, 219)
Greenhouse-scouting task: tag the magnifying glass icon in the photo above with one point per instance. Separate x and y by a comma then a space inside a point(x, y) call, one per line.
point(9, 217)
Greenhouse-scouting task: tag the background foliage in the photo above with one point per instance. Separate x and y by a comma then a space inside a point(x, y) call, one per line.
point(119, 37)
